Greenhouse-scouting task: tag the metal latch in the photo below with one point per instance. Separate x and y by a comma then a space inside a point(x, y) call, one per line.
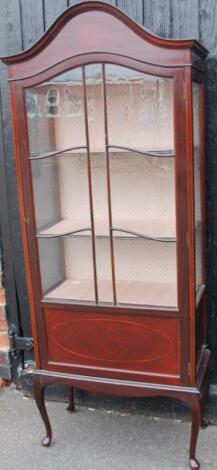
point(18, 343)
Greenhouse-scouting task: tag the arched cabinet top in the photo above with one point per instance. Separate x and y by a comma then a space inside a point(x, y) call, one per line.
point(96, 28)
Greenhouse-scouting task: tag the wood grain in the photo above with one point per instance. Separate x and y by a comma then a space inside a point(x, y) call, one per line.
point(134, 9)
point(52, 9)
point(32, 21)
point(122, 344)
point(185, 19)
point(157, 17)
point(208, 24)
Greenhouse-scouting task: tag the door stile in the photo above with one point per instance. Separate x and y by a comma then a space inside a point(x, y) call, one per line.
point(90, 185)
point(109, 187)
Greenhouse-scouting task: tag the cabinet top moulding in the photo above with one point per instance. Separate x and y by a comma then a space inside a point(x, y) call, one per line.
point(83, 23)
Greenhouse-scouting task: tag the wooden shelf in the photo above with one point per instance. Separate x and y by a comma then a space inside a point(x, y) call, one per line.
point(128, 292)
point(149, 228)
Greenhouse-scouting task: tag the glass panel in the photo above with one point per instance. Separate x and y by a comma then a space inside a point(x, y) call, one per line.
point(56, 123)
point(66, 268)
point(143, 193)
point(197, 185)
point(198, 255)
point(51, 262)
point(96, 127)
point(55, 113)
point(59, 182)
point(140, 157)
point(145, 272)
point(140, 110)
point(142, 175)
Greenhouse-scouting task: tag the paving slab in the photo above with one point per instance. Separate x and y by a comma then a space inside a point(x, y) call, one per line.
point(91, 439)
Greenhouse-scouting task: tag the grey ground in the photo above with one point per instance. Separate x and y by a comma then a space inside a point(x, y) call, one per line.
point(95, 439)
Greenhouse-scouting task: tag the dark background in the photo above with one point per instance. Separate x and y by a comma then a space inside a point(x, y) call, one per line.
point(22, 22)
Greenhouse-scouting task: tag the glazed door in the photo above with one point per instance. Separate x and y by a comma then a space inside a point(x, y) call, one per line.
point(102, 156)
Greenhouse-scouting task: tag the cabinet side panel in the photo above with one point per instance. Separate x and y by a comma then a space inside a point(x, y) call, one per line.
point(140, 347)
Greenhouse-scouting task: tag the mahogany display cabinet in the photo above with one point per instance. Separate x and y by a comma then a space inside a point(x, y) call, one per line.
point(108, 126)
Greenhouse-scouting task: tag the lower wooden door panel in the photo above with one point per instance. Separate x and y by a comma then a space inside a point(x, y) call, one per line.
point(131, 347)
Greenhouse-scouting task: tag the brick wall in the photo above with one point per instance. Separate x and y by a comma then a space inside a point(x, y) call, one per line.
point(4, 340)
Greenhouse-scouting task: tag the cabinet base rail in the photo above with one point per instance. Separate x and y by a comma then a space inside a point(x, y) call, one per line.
point(194, 397)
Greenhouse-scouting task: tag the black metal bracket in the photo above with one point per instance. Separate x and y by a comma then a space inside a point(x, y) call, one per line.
point(18, 343)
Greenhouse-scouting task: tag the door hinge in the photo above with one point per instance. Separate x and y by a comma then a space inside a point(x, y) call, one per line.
point(18, 343)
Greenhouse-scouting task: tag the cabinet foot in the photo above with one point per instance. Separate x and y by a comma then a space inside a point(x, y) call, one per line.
point(204, 423)
point(39, 388)
point(194, 464)
point(71, 406)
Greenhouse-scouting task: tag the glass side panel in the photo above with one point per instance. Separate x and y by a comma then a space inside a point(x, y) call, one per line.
point(144, 106)
point(197, 185)
point(51, 262)
point(55, 113)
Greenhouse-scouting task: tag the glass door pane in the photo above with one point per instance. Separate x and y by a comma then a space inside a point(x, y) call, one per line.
point(142, 178)
point(60, 180)
point(103, 179)
point(145, 272)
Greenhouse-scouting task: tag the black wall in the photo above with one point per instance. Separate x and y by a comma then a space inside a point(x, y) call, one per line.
point(22, 22)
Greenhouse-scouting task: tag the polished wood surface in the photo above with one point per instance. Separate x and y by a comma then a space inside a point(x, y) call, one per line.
point(139, 347)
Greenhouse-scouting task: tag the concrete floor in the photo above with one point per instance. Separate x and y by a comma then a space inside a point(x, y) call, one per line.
point(95, 440)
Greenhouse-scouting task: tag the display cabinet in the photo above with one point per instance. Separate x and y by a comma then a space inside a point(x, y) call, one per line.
point(109, 140)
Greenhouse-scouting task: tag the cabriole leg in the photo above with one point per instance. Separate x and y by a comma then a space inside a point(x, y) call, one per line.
point(195, 425)
point(203, 398)
point(71, 406)
point(203, 422)
point(39, 388)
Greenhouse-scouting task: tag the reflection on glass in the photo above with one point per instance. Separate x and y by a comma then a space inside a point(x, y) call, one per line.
point(55, 113)
point(197, 185)
point(140, 109)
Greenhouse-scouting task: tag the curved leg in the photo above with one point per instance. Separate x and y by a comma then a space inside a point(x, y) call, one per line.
point(195, 425)
point(39, 388)
point(71, 406)
point(203, 422)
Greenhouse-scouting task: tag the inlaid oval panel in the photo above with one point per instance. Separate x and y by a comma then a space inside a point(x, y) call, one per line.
point(108, 340)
